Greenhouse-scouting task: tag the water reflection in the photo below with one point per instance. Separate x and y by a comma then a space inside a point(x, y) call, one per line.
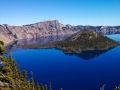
point(89, 54)
point(40, 40)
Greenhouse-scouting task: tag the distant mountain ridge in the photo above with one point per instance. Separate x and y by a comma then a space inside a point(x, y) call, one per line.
point(48, 28)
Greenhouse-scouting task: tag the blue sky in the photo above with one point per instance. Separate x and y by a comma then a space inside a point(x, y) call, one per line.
point(74, 12)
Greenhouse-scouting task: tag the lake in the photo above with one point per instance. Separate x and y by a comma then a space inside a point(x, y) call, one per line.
point(88, 70)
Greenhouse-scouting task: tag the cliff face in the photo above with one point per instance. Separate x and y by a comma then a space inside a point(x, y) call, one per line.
point(47, 28)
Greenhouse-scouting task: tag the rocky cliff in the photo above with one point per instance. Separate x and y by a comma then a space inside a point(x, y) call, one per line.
point(47, 28)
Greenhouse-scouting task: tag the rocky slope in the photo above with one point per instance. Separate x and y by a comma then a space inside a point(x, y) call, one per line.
point(47, 28)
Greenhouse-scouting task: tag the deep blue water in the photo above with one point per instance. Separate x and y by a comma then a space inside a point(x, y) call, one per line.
point(72, 72)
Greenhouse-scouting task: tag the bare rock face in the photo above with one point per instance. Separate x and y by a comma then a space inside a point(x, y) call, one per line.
point(47, 28)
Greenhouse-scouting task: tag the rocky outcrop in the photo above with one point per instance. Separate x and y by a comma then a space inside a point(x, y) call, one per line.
point(47, 28)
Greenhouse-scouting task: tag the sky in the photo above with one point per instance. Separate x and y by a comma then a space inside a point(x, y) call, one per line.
point(73, 12)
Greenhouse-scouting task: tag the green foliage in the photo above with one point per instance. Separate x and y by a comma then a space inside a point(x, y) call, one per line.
point(38, 87)
point(2, 43)
point(4, 59)
point(1, 49)
point(5, 89)
point(5, 70)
